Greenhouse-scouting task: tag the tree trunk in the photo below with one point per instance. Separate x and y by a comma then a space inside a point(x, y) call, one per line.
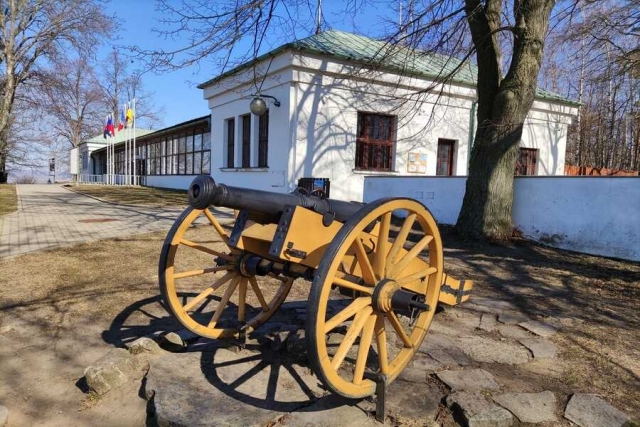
point(503, 105)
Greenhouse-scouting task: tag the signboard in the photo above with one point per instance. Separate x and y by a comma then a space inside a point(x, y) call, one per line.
point(417, 163)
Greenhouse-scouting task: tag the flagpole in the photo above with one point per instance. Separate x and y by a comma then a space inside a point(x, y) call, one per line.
point(126, 153)
point(134, 142)
point(107, 168)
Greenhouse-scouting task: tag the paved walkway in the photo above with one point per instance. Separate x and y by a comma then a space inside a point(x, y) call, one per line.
point(51, 216)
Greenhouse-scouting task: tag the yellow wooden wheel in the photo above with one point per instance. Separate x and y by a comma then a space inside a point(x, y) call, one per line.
point(203, 286)
point(387, 255)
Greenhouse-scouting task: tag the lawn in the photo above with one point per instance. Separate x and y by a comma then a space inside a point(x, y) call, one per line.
point(141, 196)
point(67, 307)
point(8, 199)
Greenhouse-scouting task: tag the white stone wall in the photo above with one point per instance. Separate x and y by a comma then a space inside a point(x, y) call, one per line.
point(595, 215)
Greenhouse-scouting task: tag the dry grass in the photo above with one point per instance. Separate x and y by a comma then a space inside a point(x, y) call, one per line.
point(8, 199)
point(141, 196)
point(112, 285)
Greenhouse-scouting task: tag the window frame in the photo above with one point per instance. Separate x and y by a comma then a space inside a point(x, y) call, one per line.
point(245, 134)
point(527, 167)
point(263, 140)
point(365, 142)
point(163, 157)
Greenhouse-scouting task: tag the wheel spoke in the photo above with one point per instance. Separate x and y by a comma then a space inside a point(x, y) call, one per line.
point(381, 340)
point(242, 297)
point(363, 349)
point(202, 248)
point(211, 289)
point(223, 302)
point(409, 256)
point(381, 247)
point(200, 272)
point(354, 286)
point(363, 260)
point(401, 239)
point(216, 225)
point(420, 275)
point(256, 290)
point(348, 312)
point(395, 322)
point(350, 337)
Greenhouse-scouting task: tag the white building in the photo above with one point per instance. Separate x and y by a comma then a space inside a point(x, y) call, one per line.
point(351, 106)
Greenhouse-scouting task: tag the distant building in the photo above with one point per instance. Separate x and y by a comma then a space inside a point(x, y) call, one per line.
point(168, 157)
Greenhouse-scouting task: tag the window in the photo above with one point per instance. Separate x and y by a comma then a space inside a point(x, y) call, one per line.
point(231, 135)
point(527, 160)
point(180, 154)
point(263, 140)
point(374, 142)
point(446, 149)
point(246, 141)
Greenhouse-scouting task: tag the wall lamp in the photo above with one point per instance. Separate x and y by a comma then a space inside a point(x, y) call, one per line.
point(258, 105)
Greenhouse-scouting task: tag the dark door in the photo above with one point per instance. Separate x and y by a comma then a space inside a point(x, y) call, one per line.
point(444, 165)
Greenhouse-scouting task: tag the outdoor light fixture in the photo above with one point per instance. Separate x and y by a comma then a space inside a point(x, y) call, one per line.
point(259, 106)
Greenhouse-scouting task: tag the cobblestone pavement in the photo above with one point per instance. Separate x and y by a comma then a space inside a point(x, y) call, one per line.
point(51, 216)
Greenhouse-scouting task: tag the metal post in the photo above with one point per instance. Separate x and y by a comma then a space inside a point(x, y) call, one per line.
point(134, 142)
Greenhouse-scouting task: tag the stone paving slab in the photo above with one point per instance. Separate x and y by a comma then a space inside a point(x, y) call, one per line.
point(469, 380)
point(540, 347)
point(539, 328)
point(588, 410)
point(478, 411)
point(50, 216)
point(530, 407)
point(231, 389)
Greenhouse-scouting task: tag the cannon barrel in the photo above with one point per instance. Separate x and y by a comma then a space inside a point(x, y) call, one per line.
point(204, 192)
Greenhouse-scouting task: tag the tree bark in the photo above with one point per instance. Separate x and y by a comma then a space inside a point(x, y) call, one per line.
point(503, 105)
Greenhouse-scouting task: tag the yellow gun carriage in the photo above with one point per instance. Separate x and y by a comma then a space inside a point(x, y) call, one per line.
point(376, 273)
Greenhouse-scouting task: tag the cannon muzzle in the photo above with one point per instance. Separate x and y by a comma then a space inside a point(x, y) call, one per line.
point(204, 192)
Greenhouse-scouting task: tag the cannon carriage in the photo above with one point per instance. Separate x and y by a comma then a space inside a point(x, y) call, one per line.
point(376, 273)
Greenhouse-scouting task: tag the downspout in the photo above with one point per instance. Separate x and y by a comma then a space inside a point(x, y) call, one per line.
point(472, 131)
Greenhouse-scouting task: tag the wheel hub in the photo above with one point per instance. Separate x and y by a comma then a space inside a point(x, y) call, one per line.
point(388, 296)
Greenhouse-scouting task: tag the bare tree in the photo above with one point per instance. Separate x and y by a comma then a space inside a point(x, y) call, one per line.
point(508, 41)
point(119, 85)
point(31, 31)
point(603, 40)
point(69, 96)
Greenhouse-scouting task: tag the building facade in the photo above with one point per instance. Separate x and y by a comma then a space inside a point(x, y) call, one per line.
point(343, 106)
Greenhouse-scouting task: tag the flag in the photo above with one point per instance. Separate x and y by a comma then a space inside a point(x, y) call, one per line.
point(109, 129)
point(122, 119)
point(105, 132)
point(129, 116)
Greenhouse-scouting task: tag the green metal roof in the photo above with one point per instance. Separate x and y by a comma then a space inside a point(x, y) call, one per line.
point(120, 136)
point(376, 53)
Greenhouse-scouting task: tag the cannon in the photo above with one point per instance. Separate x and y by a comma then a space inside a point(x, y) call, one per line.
point(376, 273)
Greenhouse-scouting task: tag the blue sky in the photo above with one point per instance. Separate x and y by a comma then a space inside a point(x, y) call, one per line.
point(176, 91)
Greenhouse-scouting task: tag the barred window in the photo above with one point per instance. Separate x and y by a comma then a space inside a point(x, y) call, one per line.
point(527, 160)
point(375, 142)
point(246, 141)
point(263, 140)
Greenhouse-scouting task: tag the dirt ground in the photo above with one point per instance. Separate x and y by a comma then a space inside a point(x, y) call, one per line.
point(61, 310)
